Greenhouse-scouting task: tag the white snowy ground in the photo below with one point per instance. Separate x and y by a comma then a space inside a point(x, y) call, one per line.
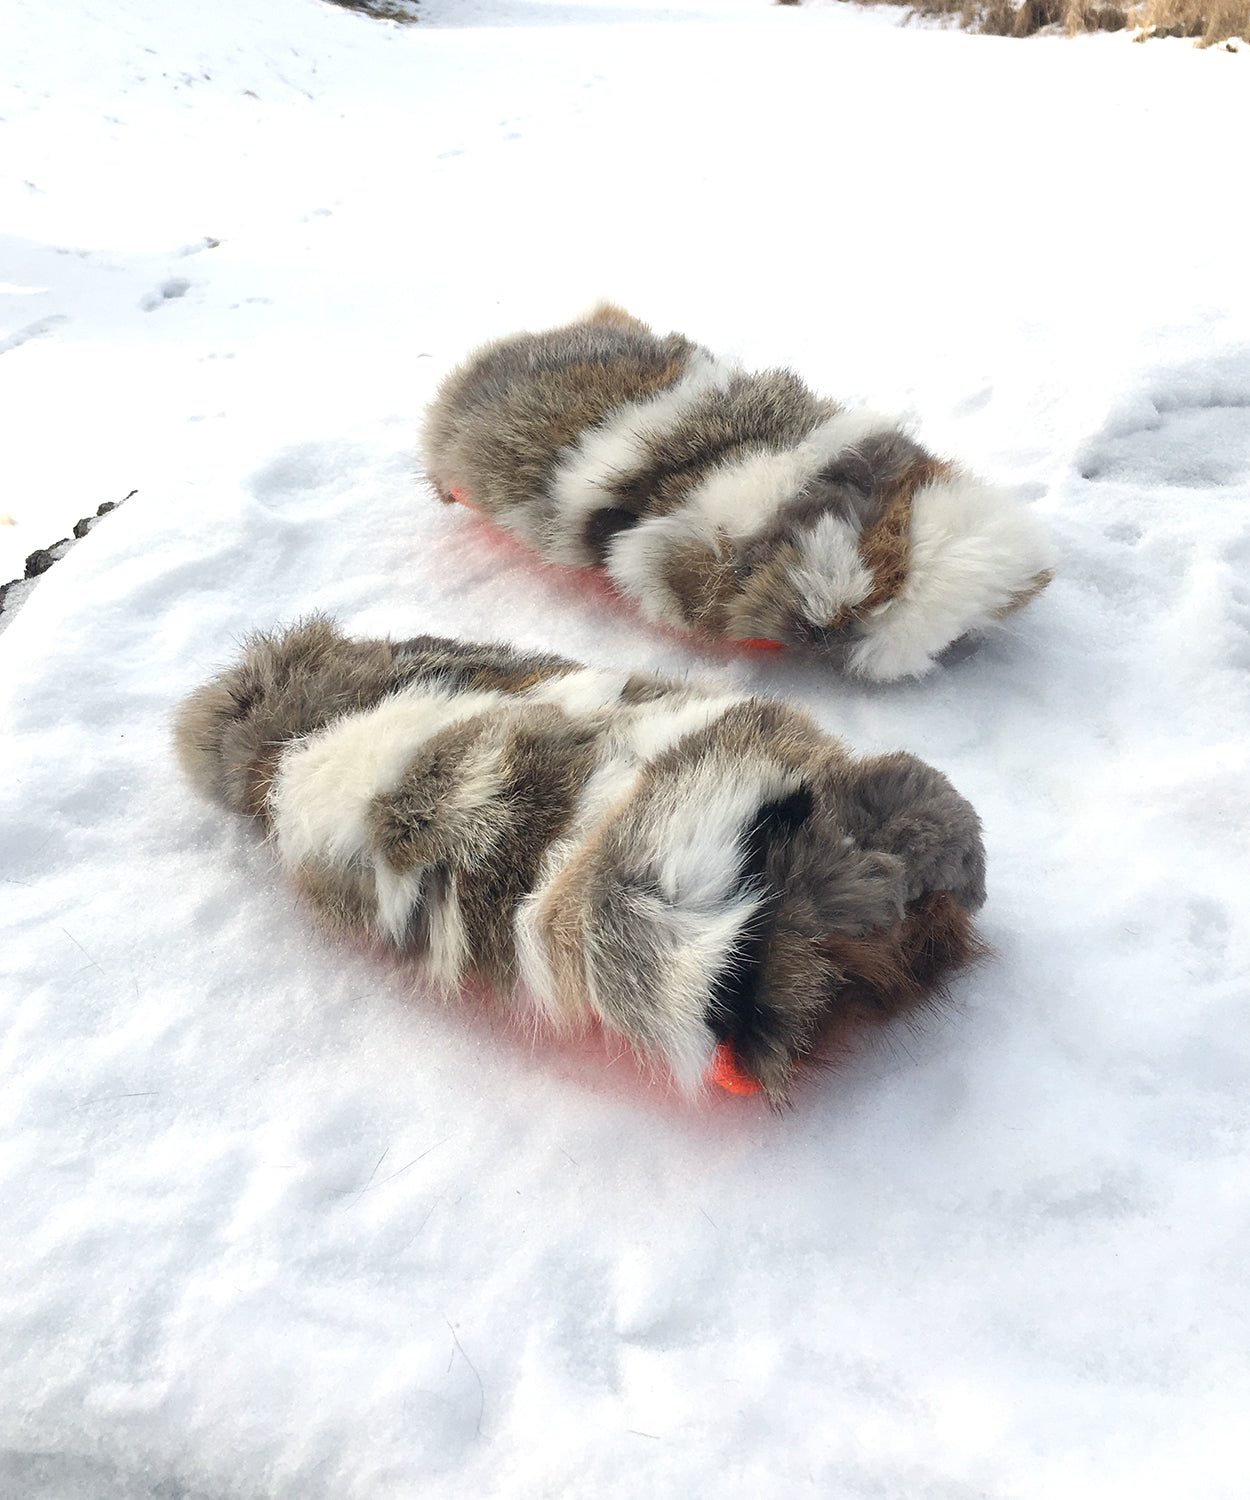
point(279, 1227)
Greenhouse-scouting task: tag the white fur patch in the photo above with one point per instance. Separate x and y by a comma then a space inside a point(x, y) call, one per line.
point(533, 967)
point(973, 548)
point(398, 894)
point(618, 447)
point(694, 948)
point(448, 951)
point(636, 558)
point(740, 497)
point(695, 846)
point(325, 783)
point(655, 727)
point(582, 692)
point(831, 575)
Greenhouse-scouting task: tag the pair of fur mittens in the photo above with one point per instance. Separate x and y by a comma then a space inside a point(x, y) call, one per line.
point(704, 873)
point(738, 505)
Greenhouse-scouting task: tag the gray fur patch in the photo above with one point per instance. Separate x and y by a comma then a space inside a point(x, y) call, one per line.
point(499, 422)
point(229, 732)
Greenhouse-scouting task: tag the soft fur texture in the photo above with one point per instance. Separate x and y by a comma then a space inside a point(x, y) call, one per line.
point(735, 504)
point(686, 865)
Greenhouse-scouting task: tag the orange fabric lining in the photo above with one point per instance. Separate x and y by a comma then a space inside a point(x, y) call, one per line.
point(726, 1073)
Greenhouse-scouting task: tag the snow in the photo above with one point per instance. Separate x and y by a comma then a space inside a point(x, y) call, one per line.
point(280, 1224)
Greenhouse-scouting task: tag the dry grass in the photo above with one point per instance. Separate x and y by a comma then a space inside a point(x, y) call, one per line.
point(1209, 21)
point(404, 11)
point(1206, 21)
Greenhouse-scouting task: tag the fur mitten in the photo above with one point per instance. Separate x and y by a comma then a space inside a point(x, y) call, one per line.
point(705, 873)
point(739, 505)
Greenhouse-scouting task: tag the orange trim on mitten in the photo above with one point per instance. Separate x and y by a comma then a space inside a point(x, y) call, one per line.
point(726, 1074)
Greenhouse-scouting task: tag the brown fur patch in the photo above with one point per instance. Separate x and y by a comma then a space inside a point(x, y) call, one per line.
point(562, 920)
point(1022, 596)
point(613, 314)
point(485, 800)
point(798, 990)
point(641, 687)
point(345, 901)
point(886, 546)
point(543, 767)
point(489, 679)
point(571, 400)
point(428, 819)
point(768, 602)
point(885, 973)
point(258, 779)
point(775, 733)
point(605, 388)
point(702, 582)
point(500, 421)
point(484, 667)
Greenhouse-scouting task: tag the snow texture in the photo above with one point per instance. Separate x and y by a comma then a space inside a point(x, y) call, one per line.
point(278, 1223)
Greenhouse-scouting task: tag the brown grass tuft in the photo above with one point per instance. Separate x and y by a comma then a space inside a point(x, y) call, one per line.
point(403, 11)
point(1208, 22)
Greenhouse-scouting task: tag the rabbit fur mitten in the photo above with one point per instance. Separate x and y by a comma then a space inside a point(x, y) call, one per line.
point(705, 873)
point(738, 505)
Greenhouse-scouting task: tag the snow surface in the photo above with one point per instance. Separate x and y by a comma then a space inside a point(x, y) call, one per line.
point(280, 1225)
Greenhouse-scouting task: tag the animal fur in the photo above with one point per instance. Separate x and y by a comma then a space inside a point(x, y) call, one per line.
point(739, 505)
point(687, 865)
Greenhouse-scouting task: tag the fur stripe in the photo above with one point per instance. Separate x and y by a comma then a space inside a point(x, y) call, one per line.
point(325, 783)
point(742, 496)
point(617, 447)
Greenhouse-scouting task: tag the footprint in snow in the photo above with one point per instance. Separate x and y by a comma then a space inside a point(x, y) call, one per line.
point(37, 330)
point(294, 475)
point(168, 291)
point(1188, 426)
point(970, 405)
point(207, 243)
point(44, 1476)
